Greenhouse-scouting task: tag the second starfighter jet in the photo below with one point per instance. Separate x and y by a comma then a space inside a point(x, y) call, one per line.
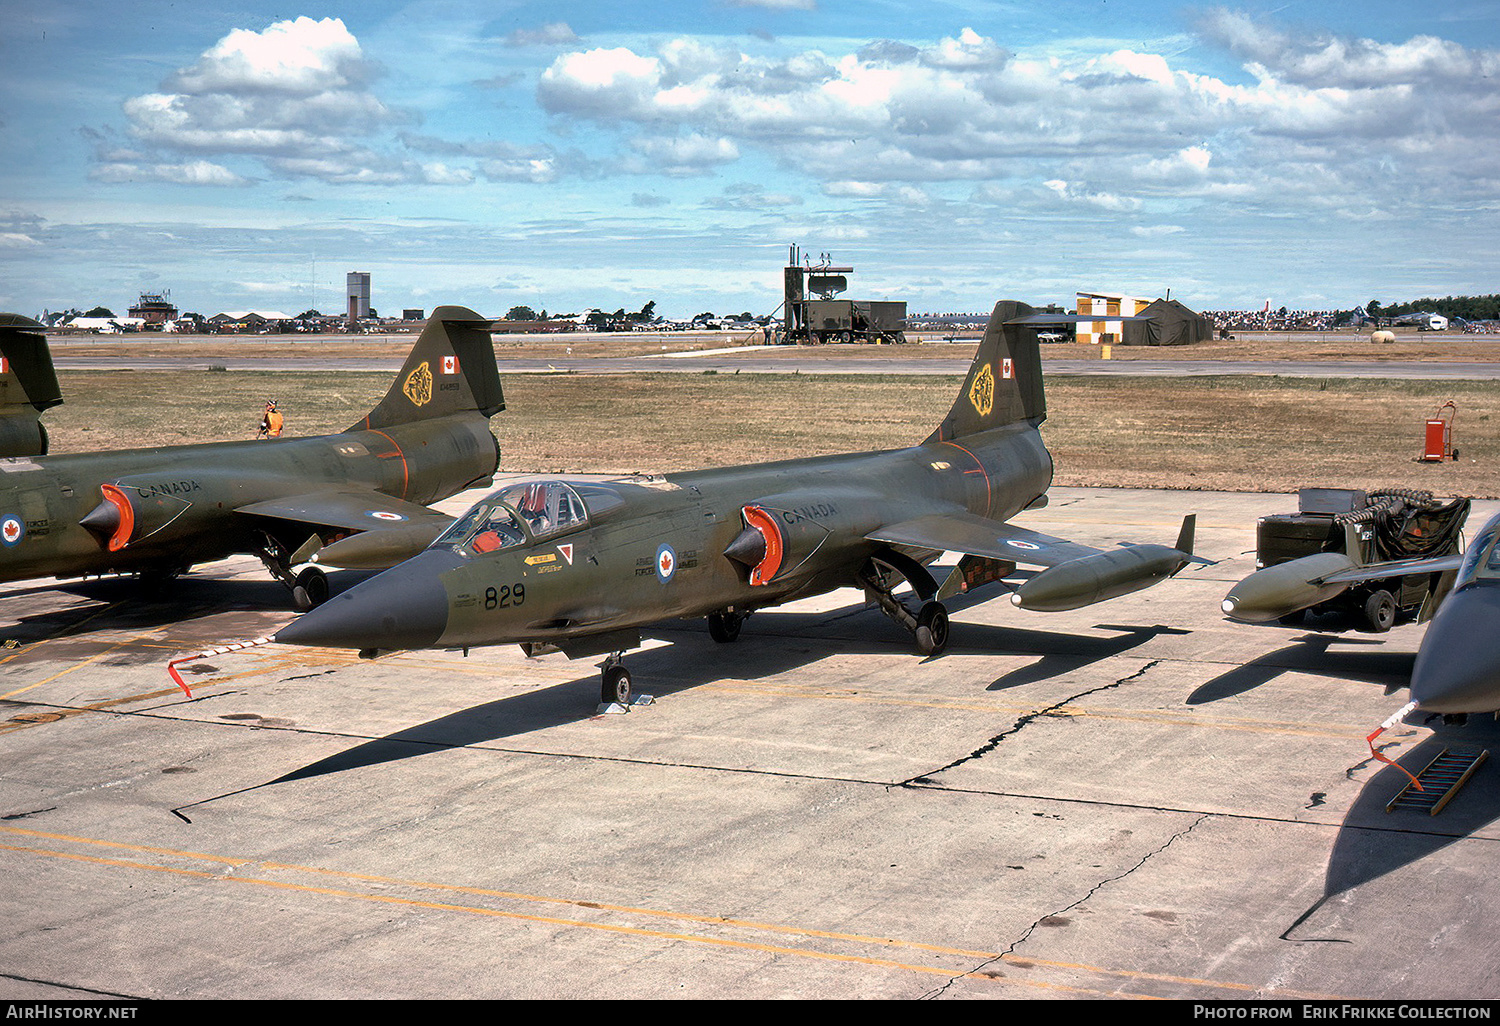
point(582, 566)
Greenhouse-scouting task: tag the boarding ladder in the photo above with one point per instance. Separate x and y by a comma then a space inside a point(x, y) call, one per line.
point(1441, 778)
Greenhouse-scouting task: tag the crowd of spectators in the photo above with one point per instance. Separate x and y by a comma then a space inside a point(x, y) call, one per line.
point(1273, 320)
point(1230, 320)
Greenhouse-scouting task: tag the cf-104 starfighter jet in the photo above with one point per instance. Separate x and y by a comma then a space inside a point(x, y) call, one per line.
point(353, 500)
point(583, 566)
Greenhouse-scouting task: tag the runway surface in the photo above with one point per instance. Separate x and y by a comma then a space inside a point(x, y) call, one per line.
point(1134, 800)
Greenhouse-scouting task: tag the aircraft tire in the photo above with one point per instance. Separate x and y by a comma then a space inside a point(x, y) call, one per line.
point(932, 629)
point(1380, 611)
point(616, 687)
point(724, 627)
point(311, 589)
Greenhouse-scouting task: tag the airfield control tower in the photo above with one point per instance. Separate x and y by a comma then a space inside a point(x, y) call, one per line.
point(155, 309)
point(358, 290)
point(826, 319)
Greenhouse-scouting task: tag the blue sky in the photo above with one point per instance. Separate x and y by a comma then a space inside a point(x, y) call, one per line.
point(574, 154)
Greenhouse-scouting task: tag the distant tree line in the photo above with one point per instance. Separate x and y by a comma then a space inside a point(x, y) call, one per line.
point(1470, 308)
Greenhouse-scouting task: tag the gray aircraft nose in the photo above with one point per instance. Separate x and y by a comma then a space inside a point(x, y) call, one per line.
point(1458, 665)
point(406, 607)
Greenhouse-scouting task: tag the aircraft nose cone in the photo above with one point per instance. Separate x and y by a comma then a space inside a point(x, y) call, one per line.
point(404, 608)
point(1458, 665)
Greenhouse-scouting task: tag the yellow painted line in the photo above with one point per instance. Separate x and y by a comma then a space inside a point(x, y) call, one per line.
point(62, 633)
point(81, 664)
point(751, 925)
point(770, 949)
point(62, 713)
point(227, 860)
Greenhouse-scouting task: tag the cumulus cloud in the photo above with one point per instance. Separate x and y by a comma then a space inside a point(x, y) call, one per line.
point(293, 95)
point(1073, 192)
point(1321, 59)
point(1317, 117)
point(196, 172)
point(301, 58)
point(692, 154)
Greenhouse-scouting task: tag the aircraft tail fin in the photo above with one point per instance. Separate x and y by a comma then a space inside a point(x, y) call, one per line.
point(1185, 534)
point(1004, 385)
point(451, 369)
point(28, 386)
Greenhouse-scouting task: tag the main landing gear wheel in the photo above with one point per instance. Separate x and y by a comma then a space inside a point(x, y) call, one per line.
point(932, 629)
point(724, 627)
point(616, 687)
point(310, 588)
point(1380, 611)
point(929, 626)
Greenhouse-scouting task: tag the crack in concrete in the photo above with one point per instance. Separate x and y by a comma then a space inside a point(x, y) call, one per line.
point(1010, 949)
point(1020, 724)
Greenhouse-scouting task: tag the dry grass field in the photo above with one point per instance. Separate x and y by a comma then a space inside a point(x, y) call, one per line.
point(1319, 346)
point(1222, 433)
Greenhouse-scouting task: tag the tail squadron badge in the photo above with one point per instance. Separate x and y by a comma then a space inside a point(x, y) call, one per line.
point(982, 392)
point(418, 387)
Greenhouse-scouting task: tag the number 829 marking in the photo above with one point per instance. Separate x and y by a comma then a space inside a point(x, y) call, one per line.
point(504, 596)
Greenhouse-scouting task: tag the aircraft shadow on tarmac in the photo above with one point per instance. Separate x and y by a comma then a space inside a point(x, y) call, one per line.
point(124, 603)
point(772, 643)
point(1311, 653)
point(1372, 842)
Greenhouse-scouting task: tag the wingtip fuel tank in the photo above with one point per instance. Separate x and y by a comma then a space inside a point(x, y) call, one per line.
point(1089, 579)
point(1286, 588)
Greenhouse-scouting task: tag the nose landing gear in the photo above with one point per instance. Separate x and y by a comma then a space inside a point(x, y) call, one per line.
point(616, 686)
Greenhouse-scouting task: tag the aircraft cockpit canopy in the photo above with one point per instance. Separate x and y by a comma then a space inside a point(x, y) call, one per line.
point(1483, 558)
point(548, 507)
point(515, 515)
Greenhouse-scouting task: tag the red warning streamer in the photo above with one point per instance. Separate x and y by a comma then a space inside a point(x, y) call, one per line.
point(172, 665)
point(1391, 722)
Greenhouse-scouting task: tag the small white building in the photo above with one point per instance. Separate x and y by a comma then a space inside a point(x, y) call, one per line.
point(1104, 305)
point(106, 325)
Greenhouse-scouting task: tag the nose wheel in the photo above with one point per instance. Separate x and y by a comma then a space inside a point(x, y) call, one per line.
point(616, 686)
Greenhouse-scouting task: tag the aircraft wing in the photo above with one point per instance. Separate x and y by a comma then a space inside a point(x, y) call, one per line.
point(384, 530)
point(981, 536)
point(1395, 568)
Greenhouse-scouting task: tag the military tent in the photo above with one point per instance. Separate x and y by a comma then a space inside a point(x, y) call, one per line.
point(1169, 324)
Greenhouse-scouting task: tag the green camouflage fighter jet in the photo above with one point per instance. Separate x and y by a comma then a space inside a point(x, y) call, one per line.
point(582, 566)
point(353, 500)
